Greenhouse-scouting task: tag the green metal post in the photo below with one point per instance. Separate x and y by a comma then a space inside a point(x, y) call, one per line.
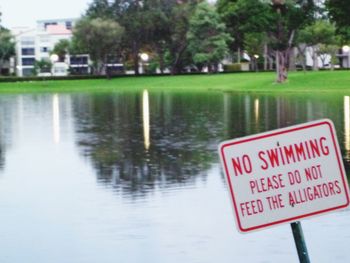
point(300, 242)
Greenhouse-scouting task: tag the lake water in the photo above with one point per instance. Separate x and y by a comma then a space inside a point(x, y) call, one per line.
point(135, 177)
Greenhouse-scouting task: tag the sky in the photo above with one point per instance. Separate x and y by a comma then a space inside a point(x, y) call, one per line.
point(27, 12)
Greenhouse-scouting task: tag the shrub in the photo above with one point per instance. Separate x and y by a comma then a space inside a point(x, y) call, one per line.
point(232, 67)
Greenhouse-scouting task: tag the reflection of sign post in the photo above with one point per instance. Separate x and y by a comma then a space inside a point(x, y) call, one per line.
point(284, 175)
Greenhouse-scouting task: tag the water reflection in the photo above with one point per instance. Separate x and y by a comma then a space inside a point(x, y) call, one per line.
point(157, 152)
point(2, 155)
point(8, 117)
point(113, 130)
point(145, 115)
point(56, 118)
point(256, 110)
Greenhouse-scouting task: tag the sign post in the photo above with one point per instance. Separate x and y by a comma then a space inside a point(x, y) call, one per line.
point(300, 242)
point(285, 175)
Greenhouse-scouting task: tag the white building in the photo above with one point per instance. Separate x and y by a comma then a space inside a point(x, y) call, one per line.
point(36, 44)
point(344, 56)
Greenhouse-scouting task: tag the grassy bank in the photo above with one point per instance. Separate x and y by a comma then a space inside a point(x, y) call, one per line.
point(310, 82)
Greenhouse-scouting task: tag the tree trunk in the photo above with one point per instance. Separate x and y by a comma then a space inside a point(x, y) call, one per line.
point(105, 66)
point(238, 55)
point(265, 56)
point(314, 58)
point(251, 64)
point(2, 62)
point(281, 68)
point(270, 62)
point(302, 53)
point(161, 59)
point(135, 50)
point(292, 60)
point(161, 63)
point(176, 65)
point(282, 55)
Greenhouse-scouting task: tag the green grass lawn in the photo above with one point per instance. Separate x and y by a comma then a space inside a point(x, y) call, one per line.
point(309, 82)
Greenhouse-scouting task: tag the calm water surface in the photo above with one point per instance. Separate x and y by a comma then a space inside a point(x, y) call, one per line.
point(135, 177)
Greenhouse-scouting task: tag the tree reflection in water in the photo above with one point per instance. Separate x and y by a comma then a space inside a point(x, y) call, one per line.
point(172, 142)
point(181, 146)
point(8, 115)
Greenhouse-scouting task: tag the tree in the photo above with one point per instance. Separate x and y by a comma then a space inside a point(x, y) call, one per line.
point(61, 49)
point(254, 44)
point(7, 47)
point(99, 38)
point(99, 9)
point(324, 51)
point(157, 29)
point(129, 14)
point(288, 17)
point(42, 66)
point(155, 26)
point(279, 19)
point(242, 17)
point(178, 56)
point(319, 33)
point(207, 37)
point(339, 11)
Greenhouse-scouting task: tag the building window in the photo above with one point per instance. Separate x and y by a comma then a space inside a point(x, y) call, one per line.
point(78, 60)
point(69, 25)
point(49, 24)
point(79, 70)
point(28, 51)
point(44, 49)
point(27, 41)
point(28, 61)
point(27, 72)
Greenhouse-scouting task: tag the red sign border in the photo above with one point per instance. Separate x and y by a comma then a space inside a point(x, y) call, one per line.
point(278, 132)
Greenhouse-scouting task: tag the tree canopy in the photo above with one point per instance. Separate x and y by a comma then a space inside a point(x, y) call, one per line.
point(339, 11)
point(207, 37)
point(98, 37)
point(61, 49)
point(7, 46)
point(177, 34)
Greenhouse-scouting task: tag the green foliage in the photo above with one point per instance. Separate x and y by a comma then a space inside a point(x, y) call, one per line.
point(99, 38)
point(320, 32)
point(178, 56)
point(321, 36)
point(339, 11)
point(42, 66)
point(151, 67)
point(287, 20)
point(243, 16)
point(254, 43)
point(7, 46)
point(206, 36)
point(325, 50)
point(156, 25)
point(61, 48)
point(100, 9)
point(248, 20)
point(129, 14)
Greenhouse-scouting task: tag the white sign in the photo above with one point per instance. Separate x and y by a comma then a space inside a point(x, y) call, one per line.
point(285, 175)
